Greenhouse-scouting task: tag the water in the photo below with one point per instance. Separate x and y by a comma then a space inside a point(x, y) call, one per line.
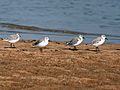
point(91, 16)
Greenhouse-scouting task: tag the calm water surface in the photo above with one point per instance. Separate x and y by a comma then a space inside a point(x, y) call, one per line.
point(91, 16)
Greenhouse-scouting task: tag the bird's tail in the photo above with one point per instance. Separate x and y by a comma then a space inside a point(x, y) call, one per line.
point(66, 43)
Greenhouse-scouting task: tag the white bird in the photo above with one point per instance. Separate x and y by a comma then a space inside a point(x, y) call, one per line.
point(41, 43)
point(99, 41)
point(12, 39)
point(75, 41)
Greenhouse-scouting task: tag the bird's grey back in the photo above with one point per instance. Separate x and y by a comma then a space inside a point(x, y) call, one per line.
point(98, 39)
point(12, 37)
point(73, 41)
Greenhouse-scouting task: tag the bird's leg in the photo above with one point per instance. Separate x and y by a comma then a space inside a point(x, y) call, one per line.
point(97, 49)
point(75, 48)
point(11, 45)
point(41, 49)
point(14, 45)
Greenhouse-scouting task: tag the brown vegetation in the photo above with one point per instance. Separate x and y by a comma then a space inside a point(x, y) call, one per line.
point(26, 68)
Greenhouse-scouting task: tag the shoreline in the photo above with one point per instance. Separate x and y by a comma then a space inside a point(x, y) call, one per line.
point(58, 67)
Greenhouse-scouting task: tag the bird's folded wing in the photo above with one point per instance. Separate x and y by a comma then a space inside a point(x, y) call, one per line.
point(73, 41)
point(37, 42)
point(97, 40)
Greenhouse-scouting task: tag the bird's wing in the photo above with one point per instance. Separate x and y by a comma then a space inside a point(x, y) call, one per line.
point(37, 42)
point(97, 40)
point(73, 41)
point(12, 37)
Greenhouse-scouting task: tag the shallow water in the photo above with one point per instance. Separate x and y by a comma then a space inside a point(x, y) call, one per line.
point(89, 16)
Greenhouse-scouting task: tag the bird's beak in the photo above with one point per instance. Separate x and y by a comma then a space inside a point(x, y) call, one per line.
point(106, 38)
point(83, 37)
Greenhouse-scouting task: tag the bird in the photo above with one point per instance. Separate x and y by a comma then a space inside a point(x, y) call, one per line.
point(99, 41)
point(41, 43)
point(12, 39)
point(75, 41)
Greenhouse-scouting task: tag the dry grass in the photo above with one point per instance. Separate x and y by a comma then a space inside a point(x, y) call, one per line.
point(26, 68)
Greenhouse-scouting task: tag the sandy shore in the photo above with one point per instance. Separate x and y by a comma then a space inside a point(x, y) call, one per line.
point(26, 68)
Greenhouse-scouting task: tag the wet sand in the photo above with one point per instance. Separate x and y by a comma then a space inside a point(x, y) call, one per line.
point(58, 67)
